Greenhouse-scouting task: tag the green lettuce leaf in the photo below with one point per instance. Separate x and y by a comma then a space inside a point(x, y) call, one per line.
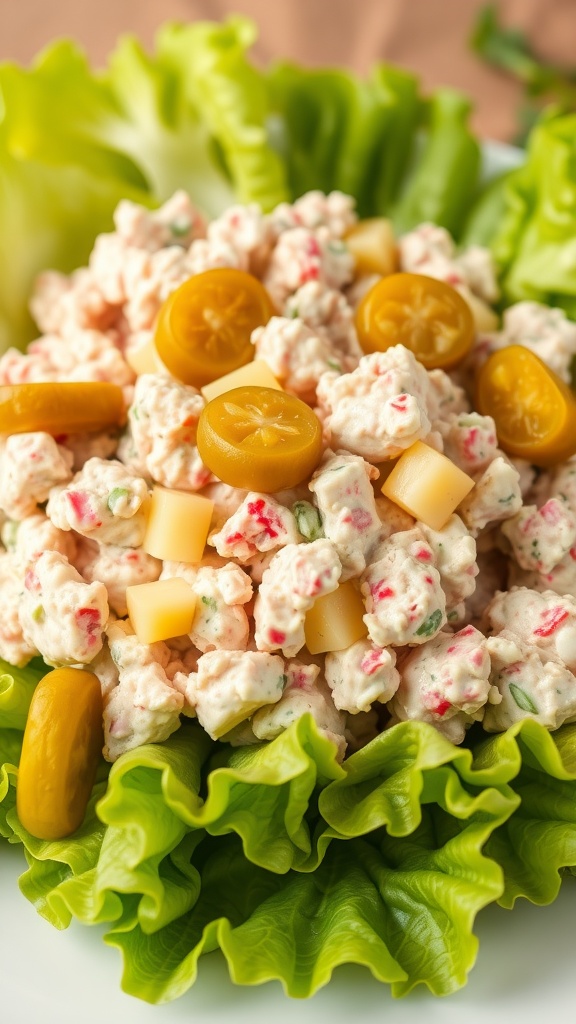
point(50, 217)
point(178, 874)
point(232, 97)
point(534, 246)
point(538, 842)
point(403, 908)
point(16, 688)
point(337, 131)
point(261, 793)
point(387, 782)
point(444, 182)
point(74, 142)
point(152, 801)
point(8, 774)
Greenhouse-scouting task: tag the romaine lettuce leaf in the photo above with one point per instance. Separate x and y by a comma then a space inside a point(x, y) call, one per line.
point(445, 179)
point(337, 131)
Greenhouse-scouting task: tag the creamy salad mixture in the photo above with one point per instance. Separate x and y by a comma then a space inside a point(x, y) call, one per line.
point(473, 622)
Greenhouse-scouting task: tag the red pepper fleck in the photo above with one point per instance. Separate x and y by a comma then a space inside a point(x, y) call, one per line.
point(441, 707)
point(550, 621)
point(429, 581)
point(310, 274)
point(380, 590)
point(477, 657)
point(372, 661)
point(550, 512)
point(359, 518)
point(469, 442)
point(31, 581)
point(298, 680)
point(314, 587)
point(233, 538)
point(265, 516)
point(80, 503)
point(573, 554)
point(424, 555)
point(88, 619)
point(400, 403)
point(277, 636)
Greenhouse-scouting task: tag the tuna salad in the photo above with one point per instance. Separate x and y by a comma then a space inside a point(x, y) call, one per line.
point(281, 464)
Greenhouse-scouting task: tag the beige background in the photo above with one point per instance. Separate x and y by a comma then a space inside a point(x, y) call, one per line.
point(429, 36)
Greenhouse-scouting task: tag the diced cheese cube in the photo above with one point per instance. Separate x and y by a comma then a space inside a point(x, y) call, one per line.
point(373, 246)
point(161, 610)
point(427, 485)
point(178, 525)
point(254, 374)
point(145, 359)
point(335, 621)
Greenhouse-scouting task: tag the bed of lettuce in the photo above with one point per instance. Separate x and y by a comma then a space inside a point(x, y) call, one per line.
point(291, 863)
point(287, 861)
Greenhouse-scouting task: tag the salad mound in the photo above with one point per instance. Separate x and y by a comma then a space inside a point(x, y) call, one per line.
point(244, 480)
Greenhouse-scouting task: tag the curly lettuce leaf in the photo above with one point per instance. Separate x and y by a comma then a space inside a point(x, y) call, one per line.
point(16, 688)
point(262, 793)
point(178, 873)
point(232, 97)
point(153, 800)
point(73, 143)
point(534, 245)
point(387, 782)
point(192, 846)
point(538, 842)
point(403, 908)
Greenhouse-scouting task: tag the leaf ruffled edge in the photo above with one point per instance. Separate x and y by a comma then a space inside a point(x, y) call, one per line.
point(138, 868)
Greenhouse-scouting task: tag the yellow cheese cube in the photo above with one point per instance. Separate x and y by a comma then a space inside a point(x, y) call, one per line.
point(427, 485)
point(334, 621)
point(373, 246)
point(145, 359)
point(161, 610)
point(178, 525)
point(254, 374)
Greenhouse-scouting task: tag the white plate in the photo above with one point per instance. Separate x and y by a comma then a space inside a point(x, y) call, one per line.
point(525, 963)
point(525, 967)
